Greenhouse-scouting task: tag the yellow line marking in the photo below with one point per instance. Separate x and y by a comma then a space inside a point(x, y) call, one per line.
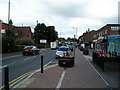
point(19, 80)
point(13, 82)
point(26, 83)
point(1, 87)
point(20, 77)
point(10, 57)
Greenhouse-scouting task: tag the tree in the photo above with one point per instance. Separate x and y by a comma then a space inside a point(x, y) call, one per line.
point(51, 34)
point(45, 32)
point(39, 32)
point(8, 41)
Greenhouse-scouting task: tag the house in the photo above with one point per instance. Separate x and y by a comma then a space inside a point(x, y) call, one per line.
point(23, 32)
point(90, 36)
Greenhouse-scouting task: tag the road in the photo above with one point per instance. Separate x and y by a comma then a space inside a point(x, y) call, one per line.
point(20, 65)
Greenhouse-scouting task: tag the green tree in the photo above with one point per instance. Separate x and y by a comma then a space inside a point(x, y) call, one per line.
point(51, 34)
point(8, 41)
point(45, 32)
point(39, 32)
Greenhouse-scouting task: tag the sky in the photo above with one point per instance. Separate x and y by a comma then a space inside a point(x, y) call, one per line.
point(70, 17)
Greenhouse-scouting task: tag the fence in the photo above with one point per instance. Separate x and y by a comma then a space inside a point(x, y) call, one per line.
point(101, 60)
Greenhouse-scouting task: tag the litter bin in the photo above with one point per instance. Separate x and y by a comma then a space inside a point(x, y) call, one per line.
point(66, 61)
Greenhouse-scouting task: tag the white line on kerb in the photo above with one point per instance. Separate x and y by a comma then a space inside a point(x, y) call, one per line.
point(97, 72)
point(30, 75)
point(60, 81)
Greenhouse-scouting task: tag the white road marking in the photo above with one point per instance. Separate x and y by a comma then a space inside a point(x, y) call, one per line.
point(29, 58)
point(97, 71)
point(31, 75)
point(47, 63)
point(7, 65)
point(23, 80)
point(60, 81)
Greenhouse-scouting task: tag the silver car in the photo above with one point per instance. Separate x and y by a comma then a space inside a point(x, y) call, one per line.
point(63, 51)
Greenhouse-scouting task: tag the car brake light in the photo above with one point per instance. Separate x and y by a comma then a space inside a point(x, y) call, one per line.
point(68, 56)
point(23, 50)
point(100, 52)
point(30, 49)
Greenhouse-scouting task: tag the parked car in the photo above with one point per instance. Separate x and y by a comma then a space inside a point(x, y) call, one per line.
point(27, 50)
point(63, 51)
point(81, 48)
point(71, 47)
point(85, 51)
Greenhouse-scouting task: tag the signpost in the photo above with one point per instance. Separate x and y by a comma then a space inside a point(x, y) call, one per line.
point(43, 41)
point(115, 28)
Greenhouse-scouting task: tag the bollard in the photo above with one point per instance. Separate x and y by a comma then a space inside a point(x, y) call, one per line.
point(41, 64)
point(6, 78)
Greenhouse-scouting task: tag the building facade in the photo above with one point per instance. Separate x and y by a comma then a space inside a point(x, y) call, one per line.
point(90, 36)
point(20, 32)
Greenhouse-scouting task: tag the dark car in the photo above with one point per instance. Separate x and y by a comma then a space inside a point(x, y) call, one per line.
point(85, 51)
point(27, 50)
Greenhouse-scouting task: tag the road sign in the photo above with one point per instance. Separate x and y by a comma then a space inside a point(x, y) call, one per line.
point(43, 41)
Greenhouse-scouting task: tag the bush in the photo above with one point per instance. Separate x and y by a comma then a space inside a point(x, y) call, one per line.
point(19, 47)
point(24, 41)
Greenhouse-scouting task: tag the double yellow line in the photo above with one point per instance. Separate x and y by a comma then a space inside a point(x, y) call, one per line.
point(15, 81)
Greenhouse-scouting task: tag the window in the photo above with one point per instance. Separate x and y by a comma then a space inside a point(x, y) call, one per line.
point(106, 31)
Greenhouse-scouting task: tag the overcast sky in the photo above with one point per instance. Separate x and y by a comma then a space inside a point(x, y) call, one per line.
point(63, 14)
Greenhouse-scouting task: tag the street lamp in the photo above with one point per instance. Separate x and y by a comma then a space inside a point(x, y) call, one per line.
point(76, 31)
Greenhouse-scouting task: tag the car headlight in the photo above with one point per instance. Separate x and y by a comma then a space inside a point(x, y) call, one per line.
point(61, 55)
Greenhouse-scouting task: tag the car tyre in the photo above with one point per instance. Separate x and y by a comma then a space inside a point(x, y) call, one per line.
point(33, 53)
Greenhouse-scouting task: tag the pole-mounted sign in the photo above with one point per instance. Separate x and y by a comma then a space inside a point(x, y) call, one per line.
point(43, 41)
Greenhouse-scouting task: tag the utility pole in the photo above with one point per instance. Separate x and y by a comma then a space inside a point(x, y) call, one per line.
point(76, 32)
point(8, 11)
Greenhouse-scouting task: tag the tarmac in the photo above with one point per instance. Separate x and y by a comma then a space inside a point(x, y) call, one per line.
point(81, 76)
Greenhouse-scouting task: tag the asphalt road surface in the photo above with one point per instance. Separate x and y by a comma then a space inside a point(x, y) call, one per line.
point(21, 65)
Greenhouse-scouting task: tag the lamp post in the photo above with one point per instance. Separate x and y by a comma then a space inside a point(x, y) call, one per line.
point(76, 32)
point(8, 11)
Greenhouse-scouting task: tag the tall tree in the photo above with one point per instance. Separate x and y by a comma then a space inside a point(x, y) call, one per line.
point(51, 34)
point(8, 41)
point(43, 32)
point(39, 32)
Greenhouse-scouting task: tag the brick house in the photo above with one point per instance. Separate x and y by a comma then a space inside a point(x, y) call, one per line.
point(20, 32)
point(90, 36)
point(108, 29)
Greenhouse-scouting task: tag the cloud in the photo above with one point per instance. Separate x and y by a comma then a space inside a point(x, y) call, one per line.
point(63, 14)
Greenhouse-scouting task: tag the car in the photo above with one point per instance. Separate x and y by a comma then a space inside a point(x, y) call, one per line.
point(71, 47)
point(81, 48)
point(63, 51)
point(27, 50)
point(85, 51)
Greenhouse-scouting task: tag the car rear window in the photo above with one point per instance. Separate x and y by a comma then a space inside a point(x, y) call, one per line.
point(28, 47)
point(63, 49)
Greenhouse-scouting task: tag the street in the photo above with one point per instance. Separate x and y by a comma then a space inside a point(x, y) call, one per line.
point(20, 65)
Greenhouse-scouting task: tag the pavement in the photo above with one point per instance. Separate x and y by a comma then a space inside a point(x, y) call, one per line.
point(82, 75)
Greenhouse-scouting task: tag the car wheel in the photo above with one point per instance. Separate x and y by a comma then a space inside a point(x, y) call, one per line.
point(38, 52)
point(33, 53)
point(23, 54)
